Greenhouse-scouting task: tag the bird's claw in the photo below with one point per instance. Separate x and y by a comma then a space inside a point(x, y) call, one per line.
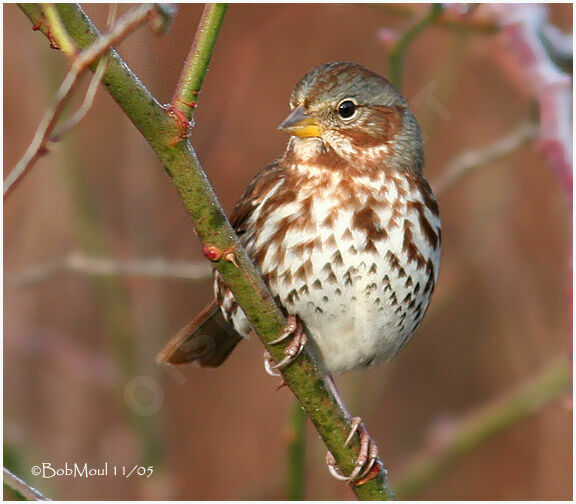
point(268, 363)
point(293, 327)
point(366, 458)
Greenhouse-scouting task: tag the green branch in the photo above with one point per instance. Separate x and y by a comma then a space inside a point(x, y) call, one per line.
point(24, 489)
point(186, 95)
point(484, 424)
point(397, 54)
point(59, 32)
point(162, 131)
point(297, 455)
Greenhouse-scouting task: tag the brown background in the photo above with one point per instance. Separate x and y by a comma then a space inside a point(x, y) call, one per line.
point(499, 315)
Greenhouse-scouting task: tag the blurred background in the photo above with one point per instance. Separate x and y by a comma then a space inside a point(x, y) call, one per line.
point(480, 395)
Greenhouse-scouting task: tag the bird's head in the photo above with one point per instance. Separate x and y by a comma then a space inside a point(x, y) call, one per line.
point(356, 114)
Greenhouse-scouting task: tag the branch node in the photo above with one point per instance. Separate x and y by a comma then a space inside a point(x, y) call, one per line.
point(184, 124)
point(212, 253)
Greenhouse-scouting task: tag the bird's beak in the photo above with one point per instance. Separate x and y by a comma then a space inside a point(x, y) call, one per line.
point(301, 124)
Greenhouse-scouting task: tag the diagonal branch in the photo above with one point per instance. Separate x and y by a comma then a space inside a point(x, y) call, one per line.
point(161, 130)
point(482, 424)
point(23, 488)
point(470, 160)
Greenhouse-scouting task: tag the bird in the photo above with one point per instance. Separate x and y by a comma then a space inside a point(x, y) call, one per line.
point(344, 229)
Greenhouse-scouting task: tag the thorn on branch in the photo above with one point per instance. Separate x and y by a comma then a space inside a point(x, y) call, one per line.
point(42, 24)
point(192, 104)
point(214, 254)
point(231, 257)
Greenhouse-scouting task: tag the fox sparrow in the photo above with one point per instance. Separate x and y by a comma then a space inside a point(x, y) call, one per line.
point(343, 226)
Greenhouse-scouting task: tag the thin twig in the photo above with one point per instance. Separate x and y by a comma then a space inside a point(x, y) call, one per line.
point(457, 17)
point(442, 451)
point(185, 97)
point(129, 22)
point(38, 145)
point(526, 29)
point(23, 488)
point(397, 54)
point(468, 161)
point(81, 113)
point(469, 20)
point(105, 266)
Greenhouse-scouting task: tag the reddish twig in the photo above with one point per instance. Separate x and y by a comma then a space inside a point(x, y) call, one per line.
point(528, 33)
point(468, 161)
point(38, 146)
point(81, 113)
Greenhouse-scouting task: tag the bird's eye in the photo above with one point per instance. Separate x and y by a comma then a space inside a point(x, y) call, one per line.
point(346, 109)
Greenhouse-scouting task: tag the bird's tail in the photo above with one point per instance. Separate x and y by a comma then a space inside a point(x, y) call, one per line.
point(207, 340)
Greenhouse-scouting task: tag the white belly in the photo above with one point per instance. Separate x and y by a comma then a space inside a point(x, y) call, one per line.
point(354, 302)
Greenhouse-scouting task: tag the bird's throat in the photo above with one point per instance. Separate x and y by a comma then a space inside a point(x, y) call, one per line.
point(306, 149)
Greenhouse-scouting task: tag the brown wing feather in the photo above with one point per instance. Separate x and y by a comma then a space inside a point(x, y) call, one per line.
point(256, 190)
point(208, 340)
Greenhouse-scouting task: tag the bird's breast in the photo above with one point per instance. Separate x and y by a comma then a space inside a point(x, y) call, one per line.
point(356, 258)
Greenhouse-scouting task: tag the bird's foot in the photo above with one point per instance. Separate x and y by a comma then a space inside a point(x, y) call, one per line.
point(295, 329)
point(365, 461)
